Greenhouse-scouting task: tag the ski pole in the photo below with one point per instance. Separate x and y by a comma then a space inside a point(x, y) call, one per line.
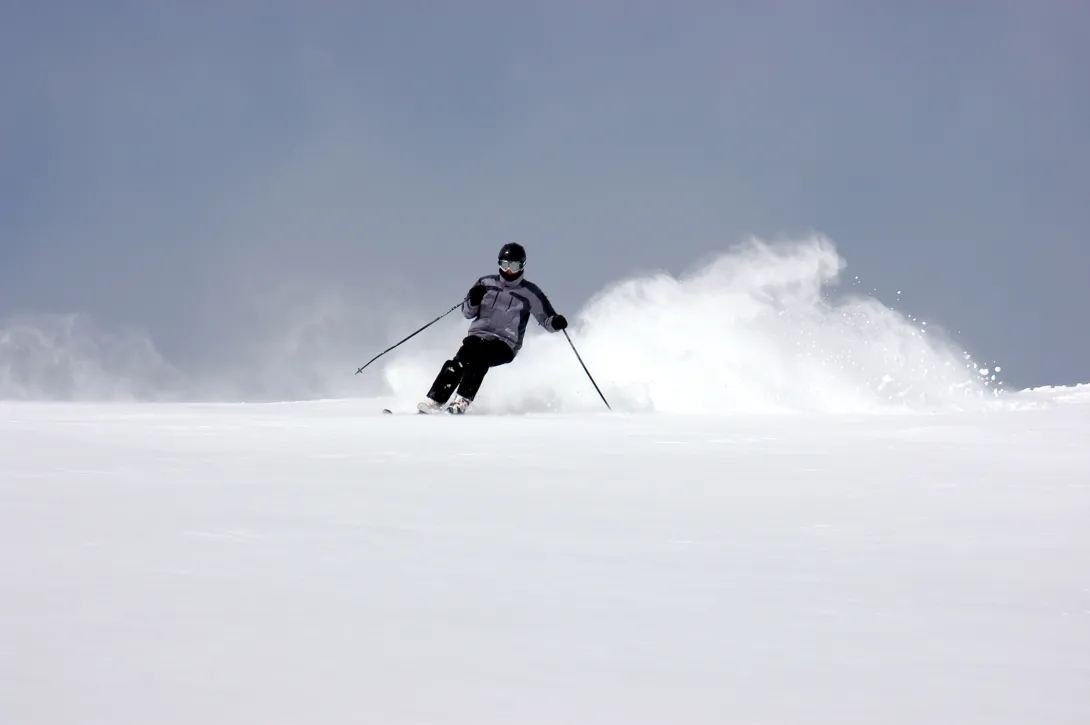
point(376, 357)
point(565, 331)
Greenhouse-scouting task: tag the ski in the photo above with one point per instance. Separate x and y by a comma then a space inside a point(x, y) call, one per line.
point(441, 411)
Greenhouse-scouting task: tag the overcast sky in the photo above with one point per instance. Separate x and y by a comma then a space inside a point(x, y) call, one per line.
point(199, 168)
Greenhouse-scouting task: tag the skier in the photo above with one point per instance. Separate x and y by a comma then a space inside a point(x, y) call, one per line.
point(500, 305)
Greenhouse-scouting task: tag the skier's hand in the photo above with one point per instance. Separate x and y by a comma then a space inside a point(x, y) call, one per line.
point(476, 294)
point(559, 323)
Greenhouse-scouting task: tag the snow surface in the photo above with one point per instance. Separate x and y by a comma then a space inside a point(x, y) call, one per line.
point(805, 507)
point(318, 562)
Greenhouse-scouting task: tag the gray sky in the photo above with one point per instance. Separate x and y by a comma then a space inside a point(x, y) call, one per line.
point(210, 171)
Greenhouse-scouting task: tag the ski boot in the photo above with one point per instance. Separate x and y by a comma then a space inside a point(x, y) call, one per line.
point(458, 405)
point(429, 406)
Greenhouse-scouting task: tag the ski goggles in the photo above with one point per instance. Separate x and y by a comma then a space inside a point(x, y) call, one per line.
point(508, 265)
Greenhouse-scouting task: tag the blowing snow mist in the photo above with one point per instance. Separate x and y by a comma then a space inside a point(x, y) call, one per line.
point(751, 330)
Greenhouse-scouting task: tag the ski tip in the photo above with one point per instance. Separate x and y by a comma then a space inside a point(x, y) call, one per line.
point(387, 411)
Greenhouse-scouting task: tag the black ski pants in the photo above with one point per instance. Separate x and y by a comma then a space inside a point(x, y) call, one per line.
point(466, 371)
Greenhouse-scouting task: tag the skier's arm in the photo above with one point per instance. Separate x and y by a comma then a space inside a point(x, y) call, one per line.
point(543, 310)
point(471, 305)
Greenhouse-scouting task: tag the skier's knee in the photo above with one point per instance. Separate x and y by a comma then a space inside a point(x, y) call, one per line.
point(450, 371)
point(465, 356)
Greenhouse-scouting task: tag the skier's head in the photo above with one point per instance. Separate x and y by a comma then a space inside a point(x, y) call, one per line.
point(512, 261)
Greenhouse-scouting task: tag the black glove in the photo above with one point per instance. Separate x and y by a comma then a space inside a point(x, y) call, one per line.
point(559, 323)
point(476, 294)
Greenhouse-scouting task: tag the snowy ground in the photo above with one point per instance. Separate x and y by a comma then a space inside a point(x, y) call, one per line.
point(321, 563)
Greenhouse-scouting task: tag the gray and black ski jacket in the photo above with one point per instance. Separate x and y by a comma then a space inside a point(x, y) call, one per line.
point(506, 308)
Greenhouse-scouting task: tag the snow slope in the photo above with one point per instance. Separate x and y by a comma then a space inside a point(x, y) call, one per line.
point(321, 563)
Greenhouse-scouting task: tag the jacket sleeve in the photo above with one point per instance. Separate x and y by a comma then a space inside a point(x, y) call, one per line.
point(540, 307)
point(471, 311)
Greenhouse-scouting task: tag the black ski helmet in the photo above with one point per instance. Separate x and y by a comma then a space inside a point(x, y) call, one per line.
point(512, 252)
